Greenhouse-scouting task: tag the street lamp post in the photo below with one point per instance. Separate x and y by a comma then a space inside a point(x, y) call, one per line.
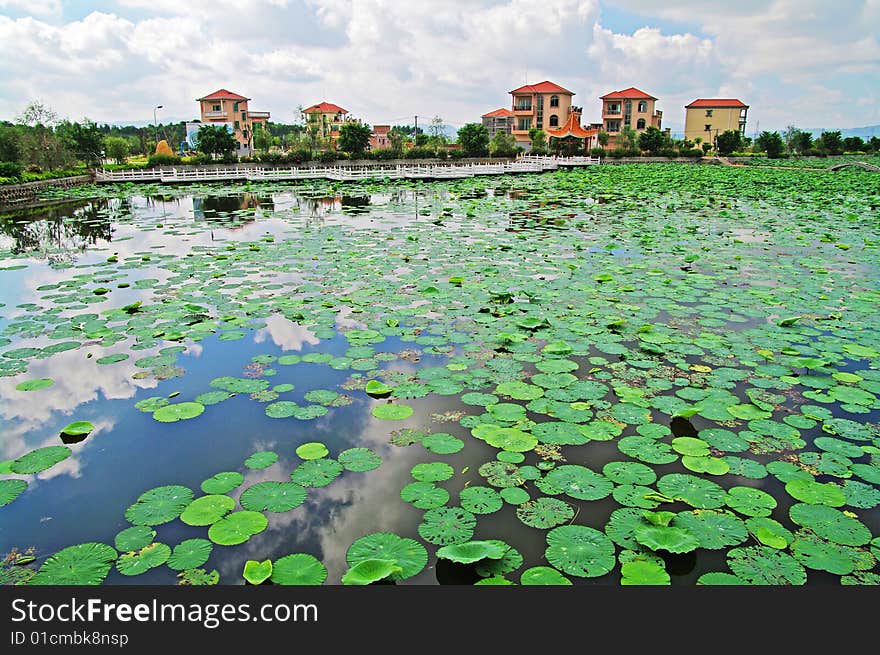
point(155, 124)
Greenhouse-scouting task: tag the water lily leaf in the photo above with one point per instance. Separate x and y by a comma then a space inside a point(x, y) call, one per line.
point(514, 495)
point(543, 575)
point(237, 527)
point(392, 412)
point(298, 569)
point(141, 561)
point(432, 471)
point(10, 490)
point(312, 450)
point(223, 482)
point(830, 524)
point(816, 493)
point(720, 578)
point(821, 555)
point(134, 538)
point(190, 554)
point(510, 439)
point(511, 561)
point(696, 492)
point(473, 551)
point(750, 501)
point(661, 537)
point(40, 459)
point(424, 495)
point(35, 384)
point(761, 565)
point(690, 446)
point(441, 443)
point(713, 529)
point(580, 551)
point(271, 496)
point(708, 465)
point(159, 505)
point(641, 572)
point(480, 500)
point(748, 412)
point(519, 390)
point(629, 473)
point(261, 460)
point(207, 510)
point(576, 481)
point(647, 450)
point(377, 389)
point(447, 525)
point(544, 513)
point(316, 472)
point(359, 460)
point(502, 474)
point(83, 564)
point(178, 412)
point(409, 554)
point(257, 572)
point(369, 571)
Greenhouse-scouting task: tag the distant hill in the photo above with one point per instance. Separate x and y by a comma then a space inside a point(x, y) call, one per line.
point(865, 132)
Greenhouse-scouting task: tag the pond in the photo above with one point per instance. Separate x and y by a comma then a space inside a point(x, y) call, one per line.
point(640, 374)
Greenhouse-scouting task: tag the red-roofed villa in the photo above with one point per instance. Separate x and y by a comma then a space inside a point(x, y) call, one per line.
point(500, 120)
point(706, 118)
point(231, 109)
point(325, 119)
point(543, 106)
point(630, 107)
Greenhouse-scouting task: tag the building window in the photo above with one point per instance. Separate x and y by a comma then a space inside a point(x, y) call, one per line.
point(640, 124)
point(612, 126)
point(523, 104)
point(612, 108)
point(244, 115)
point(236, 126)
point(554, 101)
point(215, 107)
point(708, 113)
point(524, 124)
point(643, 106)
point(554, 120)
point(235, 107)
point(708, 128)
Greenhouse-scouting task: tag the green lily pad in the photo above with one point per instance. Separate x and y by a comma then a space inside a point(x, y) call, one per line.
point(190, 554)
point(629, 473)
point(473, 551)
point(580, 551)
point(696, 492)
point(432, 471)
point(312, 450)
point(223, 482)
point(369, 571)
point(35, 384)
point(713, 529)
point(257, 573)
point(480, 500)
point(830, 524)
point(298, 569)
point(141, 561)
point(761, 565)
point(271, 496)
point(40, 459)
point(641, 572)
point(359, 460)
point(424, 495)
point(261, 460)
point(441, 443)
point(83, 564)
point(392, 412)
point(750, 501)
point(816, 493)
point(409, 554)
point(159, 505)
point(690, 446)
point(514, 495)
point(661, 537)
point(316, 472)
point(447, 525)
point(577, 482)
point(237, 527)
point(178, 412)
point(647, 450)
point(543, 575)
point(207, 510)
point(544, 513)
point(10, 490)
point(134, 538)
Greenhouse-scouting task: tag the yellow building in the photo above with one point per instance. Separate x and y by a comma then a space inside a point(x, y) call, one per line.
point(232, 110)
point(706, 118)
point(542, 106)
point(324, 120)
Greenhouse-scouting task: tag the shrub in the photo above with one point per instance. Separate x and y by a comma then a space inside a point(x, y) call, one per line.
point(598, 151)
point(456, 154)
point(419, 153)
point(10, 169)
point(163, 160)
point(384, 154)
point(696, 153)
point(670, 153)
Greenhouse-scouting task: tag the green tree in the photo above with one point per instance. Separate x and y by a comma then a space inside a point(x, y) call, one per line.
point(9, 143)
point(354, 137)
point(626, 139)
point(395, 138)
point(84, 140)
point(652, 140)
point(262, 138)
point(771, 143)
point(37, 114)
point(215, 140)
point(539, 141)
point(474, 139)
point(853, 144)
point(727, 142)
point(799, 142)
point(830, 143)
point(116, 148)
point(502, 144)
point(603, 138)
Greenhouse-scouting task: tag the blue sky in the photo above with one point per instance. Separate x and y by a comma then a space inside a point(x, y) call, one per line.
point(387, 60)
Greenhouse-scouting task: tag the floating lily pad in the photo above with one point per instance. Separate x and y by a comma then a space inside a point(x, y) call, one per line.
point(576, 481)
point(236, 528)
point(369, 571)
point(272, 496)
point(359, 460)
point(696, 492)
point(641, 572)
point(40, 459)
point(178, 412)
point(514, 495)
point(159, 505)
point(298, 569)
point(261, 460)
point(473, 551)
point(816, 493)
point(392, 412)
point(312, 450)
point(750, 501)
point(543, 575)
point(662, 537)
point(424, 495)
point(580, 551)
point(544, 513)
point(441, 443)
point(10, 490)
point(480, 500)
point(35, 385)
point(761, 565)
point(190, 554)
point(221, 483)
point(447, 525)
point(134, 538)
point(409, 554)
point(713, 529)
point(830, 524)
point(432, 471)
point(141, 561)
point(257, 573)
point(316, 472)
point(629, 473)
point(83, 564)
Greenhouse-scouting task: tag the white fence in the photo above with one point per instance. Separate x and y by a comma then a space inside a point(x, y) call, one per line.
point(526, 164)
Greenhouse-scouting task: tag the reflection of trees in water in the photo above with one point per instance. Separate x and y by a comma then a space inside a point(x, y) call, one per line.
point(59, 233)
point(321, 206)
point(223, 208)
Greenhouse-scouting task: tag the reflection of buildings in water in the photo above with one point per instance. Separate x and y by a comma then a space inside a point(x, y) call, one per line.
point(320, 207)
point(219, 208)
point(58, 233)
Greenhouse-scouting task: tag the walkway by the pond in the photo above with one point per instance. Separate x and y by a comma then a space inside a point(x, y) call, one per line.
point(345, 173)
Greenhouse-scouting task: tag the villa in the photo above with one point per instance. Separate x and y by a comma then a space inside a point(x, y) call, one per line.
point(542, 106)
point(324, 120)
point(631, 108)
point(230, 109)
point(706, 118)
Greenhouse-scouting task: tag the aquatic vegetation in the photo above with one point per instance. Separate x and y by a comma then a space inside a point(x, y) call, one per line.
point(632, 364)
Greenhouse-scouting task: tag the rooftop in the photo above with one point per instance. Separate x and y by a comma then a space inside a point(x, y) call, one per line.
point(542, 87)
point(631, 92)
point(571, 127)
point(499, 113)
point(716, 102)
point(223, 94)
point(325, 108)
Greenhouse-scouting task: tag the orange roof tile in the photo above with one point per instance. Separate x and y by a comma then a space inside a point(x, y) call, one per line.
point(542, 87)
point(631, 92)
point(571, 127)
point(716, 102)
point(500, 113)
point(325, 108)
point(224, 95)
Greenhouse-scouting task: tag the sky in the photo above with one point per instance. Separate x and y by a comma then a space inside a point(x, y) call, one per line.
point(811, 63)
